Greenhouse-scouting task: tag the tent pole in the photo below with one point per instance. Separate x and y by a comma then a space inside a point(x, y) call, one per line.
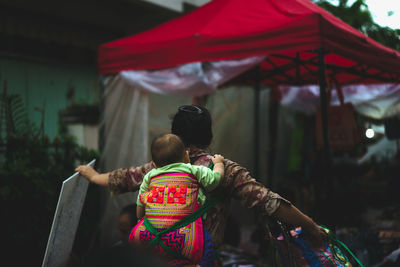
point(326, 186)
point(323, 100)
point(273, 122)
point(101, 141)
point(257, 88)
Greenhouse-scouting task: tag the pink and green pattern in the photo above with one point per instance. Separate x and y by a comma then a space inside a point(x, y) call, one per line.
point(172, 197)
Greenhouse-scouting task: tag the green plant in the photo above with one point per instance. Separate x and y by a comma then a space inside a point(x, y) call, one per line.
point(31, 175)
point(356, 14)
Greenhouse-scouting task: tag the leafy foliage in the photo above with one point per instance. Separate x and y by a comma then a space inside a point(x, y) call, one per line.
point(31, 174)
point(358, 16)
point(13, 117)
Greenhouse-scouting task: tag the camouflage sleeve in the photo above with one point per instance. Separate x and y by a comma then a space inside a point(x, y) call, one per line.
point(250, 192)
point(127, 179)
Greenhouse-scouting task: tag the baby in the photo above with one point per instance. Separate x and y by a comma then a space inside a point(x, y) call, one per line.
point(171, 192)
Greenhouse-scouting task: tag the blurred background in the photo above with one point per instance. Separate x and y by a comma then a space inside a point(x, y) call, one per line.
point(51, 121)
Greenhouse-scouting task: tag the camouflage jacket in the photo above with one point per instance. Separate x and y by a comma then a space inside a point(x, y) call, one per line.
point(237, 183)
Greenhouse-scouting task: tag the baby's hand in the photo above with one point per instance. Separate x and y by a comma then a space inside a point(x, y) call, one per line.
point(218, 159)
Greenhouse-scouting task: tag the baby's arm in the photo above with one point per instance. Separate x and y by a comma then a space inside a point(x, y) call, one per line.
point(218, 161)
point(210, 179)
point(139, 212)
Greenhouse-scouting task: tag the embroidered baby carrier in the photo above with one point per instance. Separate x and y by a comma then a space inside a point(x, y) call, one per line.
point(172, 224)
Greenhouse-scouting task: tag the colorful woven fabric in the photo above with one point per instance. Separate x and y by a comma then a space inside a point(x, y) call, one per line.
point(209, 259)
point(172, 197)
point(306, 255)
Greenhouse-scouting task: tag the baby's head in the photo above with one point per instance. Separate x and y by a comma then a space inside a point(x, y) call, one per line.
point(168, 149)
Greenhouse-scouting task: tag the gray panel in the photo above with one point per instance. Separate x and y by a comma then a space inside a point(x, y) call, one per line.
point(66, 220)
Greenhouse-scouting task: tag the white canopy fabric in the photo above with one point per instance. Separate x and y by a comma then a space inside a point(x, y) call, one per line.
point(377, 101)
point(125, 131)
point(195, 79)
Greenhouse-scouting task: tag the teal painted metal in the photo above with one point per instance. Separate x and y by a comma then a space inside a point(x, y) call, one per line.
point(46, 85)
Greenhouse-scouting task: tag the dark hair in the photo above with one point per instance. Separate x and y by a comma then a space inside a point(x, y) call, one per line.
point(192, 123)
point(167, 149)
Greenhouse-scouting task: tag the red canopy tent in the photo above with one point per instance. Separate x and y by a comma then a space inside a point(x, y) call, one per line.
point(288, 31)
point(303, 44)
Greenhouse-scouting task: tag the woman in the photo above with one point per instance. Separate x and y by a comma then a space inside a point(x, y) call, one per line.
point(193, 125)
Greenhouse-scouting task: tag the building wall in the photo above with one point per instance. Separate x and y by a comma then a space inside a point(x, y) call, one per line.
point(44, 85)
point(48, 48)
